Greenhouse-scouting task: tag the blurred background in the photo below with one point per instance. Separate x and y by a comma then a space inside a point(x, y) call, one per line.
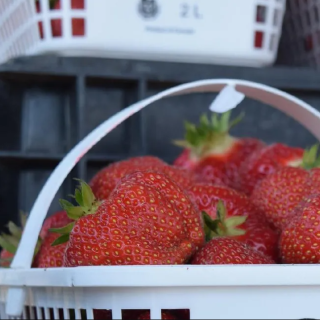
point(68, 65)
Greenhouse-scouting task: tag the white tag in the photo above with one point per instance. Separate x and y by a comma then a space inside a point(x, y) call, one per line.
point(227, 99)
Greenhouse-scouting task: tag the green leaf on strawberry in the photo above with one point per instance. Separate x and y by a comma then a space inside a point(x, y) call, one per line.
point(208, 134)
point(64, 230)
point(87, 204)
point(223, 225)
point(10, 242)
point(7, 243)
point(310, 158)
point(63, 239)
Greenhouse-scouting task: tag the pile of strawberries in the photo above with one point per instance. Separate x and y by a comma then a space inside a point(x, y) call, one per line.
point(225, 200)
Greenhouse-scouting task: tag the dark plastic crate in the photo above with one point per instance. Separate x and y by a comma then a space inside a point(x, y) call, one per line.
point(47, 104)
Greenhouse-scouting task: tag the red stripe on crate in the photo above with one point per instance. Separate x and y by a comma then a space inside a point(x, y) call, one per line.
point(258, 39)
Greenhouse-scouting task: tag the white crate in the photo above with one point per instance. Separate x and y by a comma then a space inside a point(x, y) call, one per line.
point(232, 32)
point(209, 292)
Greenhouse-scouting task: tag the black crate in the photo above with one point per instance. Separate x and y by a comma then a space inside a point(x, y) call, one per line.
point(47, 104)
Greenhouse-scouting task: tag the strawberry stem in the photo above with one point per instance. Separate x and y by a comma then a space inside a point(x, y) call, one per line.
point(310, 158)
point(222, 226)
point(208, 135)
point(87, 202)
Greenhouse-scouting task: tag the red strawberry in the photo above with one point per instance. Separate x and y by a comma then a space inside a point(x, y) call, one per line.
point(184, 178)
point(206, 172)
point(147, 219)
point(225, 250)
point(279, 193)
point(230, 213)
point(6, 258)
point(210, 145)
point(185, 159)
point(57, 220)
point(300, 239)
point(260, 237)
point(266, 161)
point(105, 181)
point(227, 171)
point(207, 197)
point(50, 256)
point(11, 242)
point(164, 315)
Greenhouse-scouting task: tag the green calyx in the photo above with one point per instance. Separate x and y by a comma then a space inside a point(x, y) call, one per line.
point(209, 135)
point(310, 158)
point(10, 242)
point(87, 204)
point(222, 226)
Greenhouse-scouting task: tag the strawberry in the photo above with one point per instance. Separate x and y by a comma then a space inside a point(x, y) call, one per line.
point(184, 178)
point(50, 256)
point(227, 212)
point(147, 219)
point(280, 192)
point(57, 220)
point(265, 161)
point(206, 172)
point(209, 145)
point(185, 159)
point(5, 258)
point(11, 242)
point(225, 250)
point(206, 197)
point(259, 236)
point(300, 239)
point(105, 181)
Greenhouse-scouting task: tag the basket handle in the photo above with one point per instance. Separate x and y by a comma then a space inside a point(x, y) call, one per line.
point(296, 108)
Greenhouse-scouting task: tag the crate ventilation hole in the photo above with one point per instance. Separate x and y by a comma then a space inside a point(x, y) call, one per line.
point(261, 19)
point(56, 24)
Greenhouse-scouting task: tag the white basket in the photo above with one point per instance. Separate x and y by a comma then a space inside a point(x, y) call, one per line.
point(209, 292)
point(230, 32)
